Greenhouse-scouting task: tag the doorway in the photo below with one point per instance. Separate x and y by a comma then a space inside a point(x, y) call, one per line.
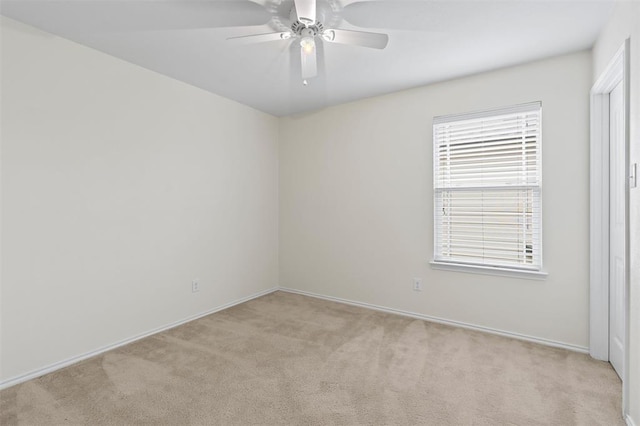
point(609, 218)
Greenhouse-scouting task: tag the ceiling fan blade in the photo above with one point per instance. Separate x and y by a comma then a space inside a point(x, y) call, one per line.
point(357, 38)
point(111, 16)
point(260, 38)
point(308, 60)
point(416, 15)
point(306, 11)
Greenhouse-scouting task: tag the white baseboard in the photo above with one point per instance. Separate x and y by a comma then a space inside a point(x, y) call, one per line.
point(69, 361)
point(629, 421)
point(546, 342)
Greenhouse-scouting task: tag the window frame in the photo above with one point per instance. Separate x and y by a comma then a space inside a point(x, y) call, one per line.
point(437, 262)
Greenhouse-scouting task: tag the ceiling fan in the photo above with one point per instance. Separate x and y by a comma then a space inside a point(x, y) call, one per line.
point(306, 28)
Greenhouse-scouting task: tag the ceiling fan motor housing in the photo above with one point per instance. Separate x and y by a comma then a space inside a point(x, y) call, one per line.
point(302, 30)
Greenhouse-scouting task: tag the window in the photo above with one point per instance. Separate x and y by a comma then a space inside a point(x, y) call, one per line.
point(487, 182)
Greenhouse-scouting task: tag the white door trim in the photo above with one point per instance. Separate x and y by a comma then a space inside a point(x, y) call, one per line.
point(616, 71)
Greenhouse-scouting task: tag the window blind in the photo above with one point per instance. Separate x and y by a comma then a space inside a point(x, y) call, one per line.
point(487, 186)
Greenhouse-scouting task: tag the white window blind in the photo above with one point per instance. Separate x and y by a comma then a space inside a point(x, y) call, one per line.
point(487, 182)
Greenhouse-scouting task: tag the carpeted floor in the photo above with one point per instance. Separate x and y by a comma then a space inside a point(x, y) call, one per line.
point(290, 359)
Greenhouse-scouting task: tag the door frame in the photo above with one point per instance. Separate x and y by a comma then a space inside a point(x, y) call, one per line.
point(616, 71)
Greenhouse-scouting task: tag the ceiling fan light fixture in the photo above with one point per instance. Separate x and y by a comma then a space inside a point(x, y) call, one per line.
point(308, 44)
point(329, 35)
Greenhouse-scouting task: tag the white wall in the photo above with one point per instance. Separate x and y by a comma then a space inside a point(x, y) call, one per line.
point(623, 24)
point(356, 203)
point(120, 186)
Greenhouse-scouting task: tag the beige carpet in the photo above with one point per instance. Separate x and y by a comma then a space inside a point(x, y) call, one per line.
point(289, 359)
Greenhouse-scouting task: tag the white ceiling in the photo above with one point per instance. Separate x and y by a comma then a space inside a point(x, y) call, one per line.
point(429, 41)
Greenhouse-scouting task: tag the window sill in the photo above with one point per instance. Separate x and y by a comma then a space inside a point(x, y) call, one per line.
point(489, 270)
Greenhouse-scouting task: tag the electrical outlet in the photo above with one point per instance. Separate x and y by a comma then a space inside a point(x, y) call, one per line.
point(417, 284)
point(195, 286)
